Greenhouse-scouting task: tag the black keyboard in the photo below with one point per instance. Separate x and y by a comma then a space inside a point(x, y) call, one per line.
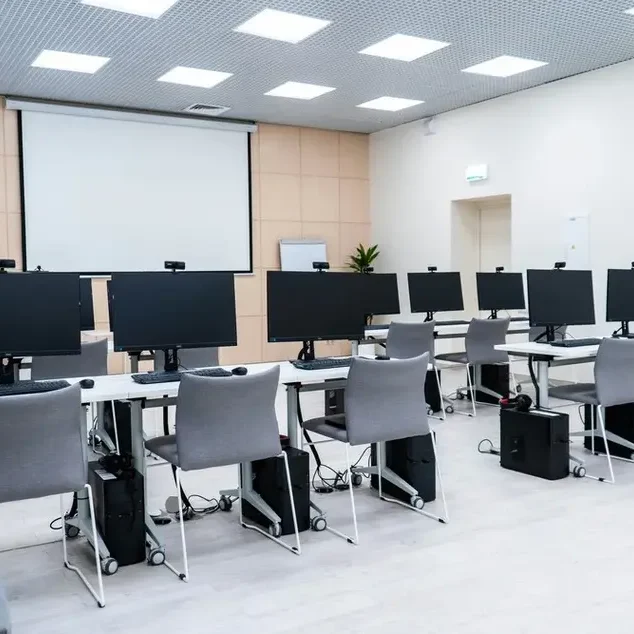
point(32, 387)
point(323, 364)
point(149, 378)
point(576, 343)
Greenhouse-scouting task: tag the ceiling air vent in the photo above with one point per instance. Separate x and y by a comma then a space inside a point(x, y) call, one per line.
point(206, 110)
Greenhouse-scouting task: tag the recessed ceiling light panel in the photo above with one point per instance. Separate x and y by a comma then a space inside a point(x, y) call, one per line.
point(297, 90)
point(391, 104)
point(281, 25)
point(60, 60)
point(406, 48)
point(194, 77)
point(146, 8)
point(504, 66)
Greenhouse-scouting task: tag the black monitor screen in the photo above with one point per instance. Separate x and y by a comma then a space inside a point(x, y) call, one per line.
point(314, 306)
point(435, 292)
point(560, 297)
point(40, 314)
point(620, 304)
point(500, 291)
point(87, 308)
point(164, 310)
point(382, 294)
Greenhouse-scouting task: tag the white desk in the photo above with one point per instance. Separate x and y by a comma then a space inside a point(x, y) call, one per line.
point(546, 356)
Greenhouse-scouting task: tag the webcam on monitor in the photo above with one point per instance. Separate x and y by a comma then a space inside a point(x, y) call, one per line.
point(499, 269)
point(174, 265)
point(321, 266)
point(560, 265)
point(6, 264)
point(432, 269)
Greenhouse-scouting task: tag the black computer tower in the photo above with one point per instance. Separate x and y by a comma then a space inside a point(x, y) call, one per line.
point(496, 378)
point(335, 399)
point(119, 512)
point(619, 419)
point(269, 480)
point(535, 443)
point(413, 460)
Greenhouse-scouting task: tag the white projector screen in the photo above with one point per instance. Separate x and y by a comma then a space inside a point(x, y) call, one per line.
point(104, 195)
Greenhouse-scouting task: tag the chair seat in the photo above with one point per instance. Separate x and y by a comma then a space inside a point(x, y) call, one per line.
point(164, 447)
point(577, 393)
point(325, 427)
point(454, 357)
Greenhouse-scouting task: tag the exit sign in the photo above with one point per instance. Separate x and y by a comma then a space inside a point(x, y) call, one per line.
point(475, 173)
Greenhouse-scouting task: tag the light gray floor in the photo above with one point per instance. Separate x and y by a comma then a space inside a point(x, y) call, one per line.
point(521, 555)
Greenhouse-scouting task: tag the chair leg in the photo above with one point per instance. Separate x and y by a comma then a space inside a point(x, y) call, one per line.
point(607, 449)
point(98, 596)
point(442, 399)
point(512, 377)
point(351, 540)
point(297, 549)
point(183, 576)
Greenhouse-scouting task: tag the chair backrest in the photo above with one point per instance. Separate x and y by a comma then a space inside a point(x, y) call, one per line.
point(222, 421)
point(385, 400)
point(482, 337)
point(190, 358)
point(93, 361)
point(614, 372)
point(407, 340)
point(43, 447)
point(536, 331)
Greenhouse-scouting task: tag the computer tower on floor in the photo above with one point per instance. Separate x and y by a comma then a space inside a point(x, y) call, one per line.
point(535, 443)
point(269, 480)
point(119, 512)
point(494, 377)
point(413, 460)
point(619, 419)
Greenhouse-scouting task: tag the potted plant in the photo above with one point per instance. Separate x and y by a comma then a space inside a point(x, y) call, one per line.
point(361, 260)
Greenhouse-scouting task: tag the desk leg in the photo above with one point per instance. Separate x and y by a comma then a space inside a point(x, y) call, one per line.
point(292, 430)
point(542, 382)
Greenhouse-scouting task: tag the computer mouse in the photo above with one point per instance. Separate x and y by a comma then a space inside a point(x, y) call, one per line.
point(239, 371)
point(87, 384)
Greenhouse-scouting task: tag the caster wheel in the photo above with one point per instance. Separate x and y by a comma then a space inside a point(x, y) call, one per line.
point(416, 502)
point(109, 566)
point(460, 396)
point(275, 530)
point(71, 531)
point(430, 411)
point(188, 514)
point(579, 472)
point(449, 409)
point(225, 504)
point(357, 479)
point(518, 389)
point(318, 524)
point(156, 557)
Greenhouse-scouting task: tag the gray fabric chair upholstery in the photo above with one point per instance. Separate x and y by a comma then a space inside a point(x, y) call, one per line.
point(93, 361)
point(222, 421)
point(5, 622)
point(482, 337)
point(385, 400)
point(190, 358)
point(613, 375)
point(407, 340)
point(43, 447)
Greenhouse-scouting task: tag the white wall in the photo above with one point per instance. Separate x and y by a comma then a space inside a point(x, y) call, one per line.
point(561, 149)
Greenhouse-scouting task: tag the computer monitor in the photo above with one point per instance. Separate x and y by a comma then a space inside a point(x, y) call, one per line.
point(168, 311)
point(40, 314)
point(87, 308)
point(500, 291)
point(435, 292)
point(560, 297)
point(382, 293)
point(620, 300)
point(311, 306)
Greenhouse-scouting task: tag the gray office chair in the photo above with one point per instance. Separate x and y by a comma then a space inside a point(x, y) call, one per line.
point(93, 361)
point(482, 337)
point(33, 467)
point(190, 358)
point(412, 339)
point(5, 621)
point(613, 385)
point(224, 421)
point(384, 401)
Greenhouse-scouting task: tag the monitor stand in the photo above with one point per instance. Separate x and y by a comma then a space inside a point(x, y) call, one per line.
point(429, 316)
point(550, 334)
point(623, 331)
point(9, 370)
point(307, 353)
point(171, 360)
point(494, 314)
